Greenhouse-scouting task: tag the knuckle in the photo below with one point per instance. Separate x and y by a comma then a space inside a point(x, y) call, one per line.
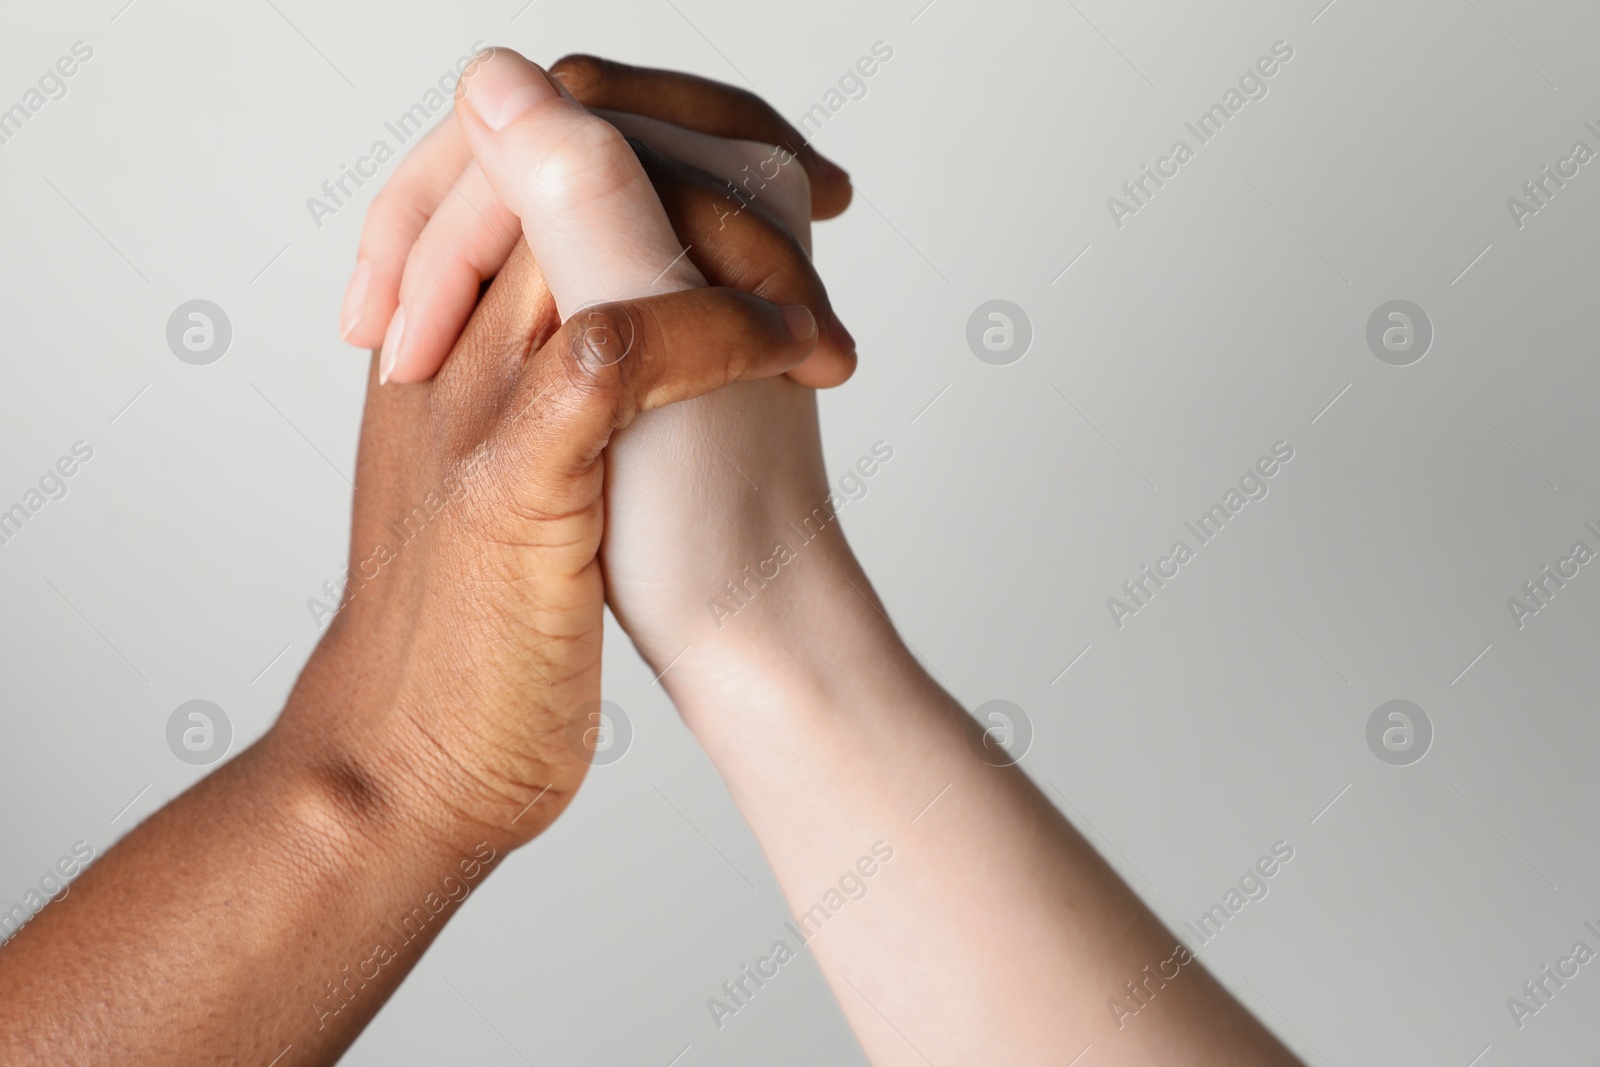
point(590, 163)
point(391, 208)
point(599, 341)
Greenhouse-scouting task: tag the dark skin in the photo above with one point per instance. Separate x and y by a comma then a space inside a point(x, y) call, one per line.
point(433, 729)
point(430, 733)
point(823, 723)
point(705, 106)
point(439, 180)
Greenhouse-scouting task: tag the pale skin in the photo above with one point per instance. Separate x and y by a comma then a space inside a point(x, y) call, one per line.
point(993, 933)
point(272, 909)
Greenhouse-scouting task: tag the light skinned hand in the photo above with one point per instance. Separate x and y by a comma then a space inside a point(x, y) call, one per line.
point(742, 209)
point(832, 738)
point(437, 231)
point(442, 719)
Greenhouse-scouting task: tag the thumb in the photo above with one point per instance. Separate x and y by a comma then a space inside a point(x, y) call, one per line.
point(612, 361)
point(588, 211)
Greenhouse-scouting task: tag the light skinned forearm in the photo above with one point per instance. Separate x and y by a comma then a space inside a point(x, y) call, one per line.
point(256, 913)
point(994, 933)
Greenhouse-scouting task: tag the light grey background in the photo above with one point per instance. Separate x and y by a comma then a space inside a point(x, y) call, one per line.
point(1225, 316)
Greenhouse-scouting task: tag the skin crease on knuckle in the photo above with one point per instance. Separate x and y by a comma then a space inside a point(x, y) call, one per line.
point(496, 336)
point(601, 359)
point(390, 211)
point(589, 165)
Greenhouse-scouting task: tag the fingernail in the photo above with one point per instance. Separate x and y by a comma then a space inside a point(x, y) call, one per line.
point(391, 345)
point(577, 73)
point(802, 324)
point(499, 92)
point(355, 299)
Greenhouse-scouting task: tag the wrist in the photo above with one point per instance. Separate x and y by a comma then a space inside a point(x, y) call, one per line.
point(816, 639)
point(434, 768)
point(332, 806)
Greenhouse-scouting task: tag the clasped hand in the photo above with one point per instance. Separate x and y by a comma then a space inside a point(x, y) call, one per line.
point(626, 415)
point(512, 453)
